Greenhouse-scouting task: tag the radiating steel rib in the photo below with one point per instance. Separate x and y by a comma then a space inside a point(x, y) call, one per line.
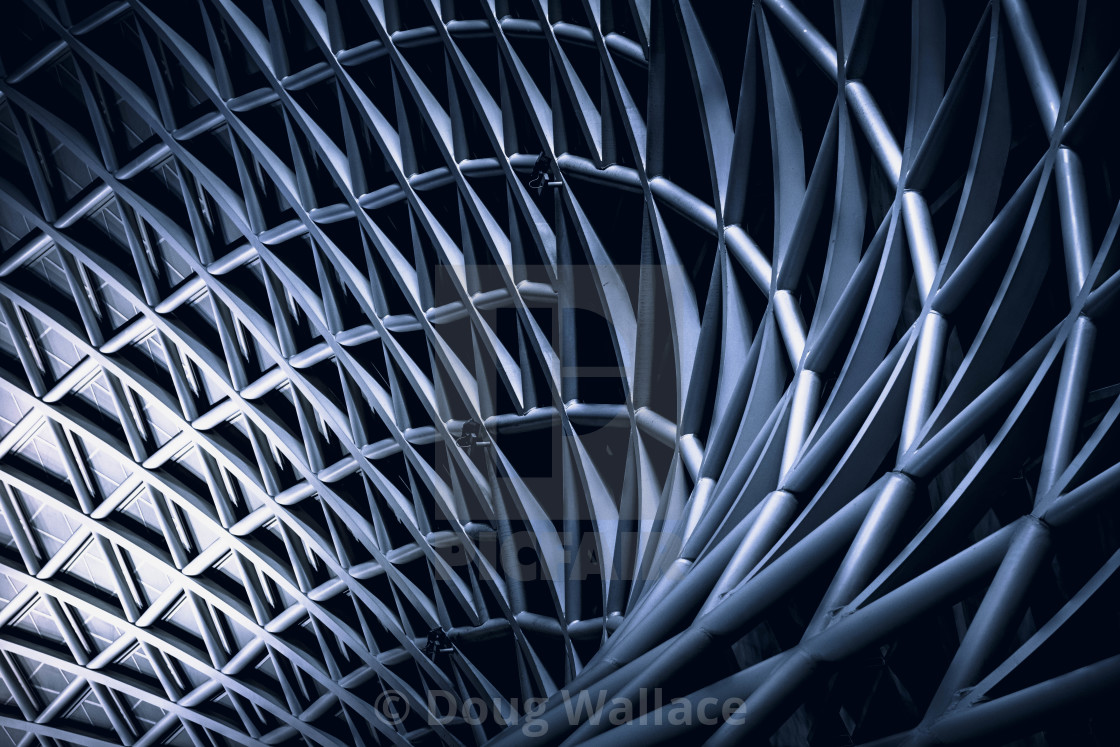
point(1053, 348)
point(837, 441)
point(718, 560)
point(794, 355)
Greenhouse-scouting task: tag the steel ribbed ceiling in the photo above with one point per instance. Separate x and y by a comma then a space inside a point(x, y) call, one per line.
point(359, 359)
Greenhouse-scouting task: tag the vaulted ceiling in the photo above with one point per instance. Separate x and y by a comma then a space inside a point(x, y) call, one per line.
point(358, 351)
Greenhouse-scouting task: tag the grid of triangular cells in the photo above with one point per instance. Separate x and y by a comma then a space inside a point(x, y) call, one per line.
point(358, 351)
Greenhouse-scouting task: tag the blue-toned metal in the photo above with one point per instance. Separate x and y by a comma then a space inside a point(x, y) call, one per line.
point(605, 371)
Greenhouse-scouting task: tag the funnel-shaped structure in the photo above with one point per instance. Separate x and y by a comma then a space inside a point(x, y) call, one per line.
point(585, 371)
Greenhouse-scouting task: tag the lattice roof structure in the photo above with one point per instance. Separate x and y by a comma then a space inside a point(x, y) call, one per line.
point(364, 359)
